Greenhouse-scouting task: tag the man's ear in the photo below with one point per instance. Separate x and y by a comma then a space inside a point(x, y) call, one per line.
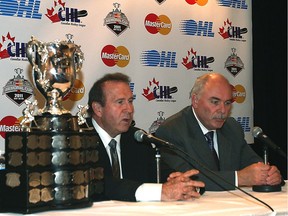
point(97, 109)
point(194, 100)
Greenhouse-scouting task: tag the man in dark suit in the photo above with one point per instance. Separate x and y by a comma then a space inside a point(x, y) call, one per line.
point(229, 155)
point(129, 167)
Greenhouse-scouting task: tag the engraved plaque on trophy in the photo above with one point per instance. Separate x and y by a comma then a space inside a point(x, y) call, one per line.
point(52, 163)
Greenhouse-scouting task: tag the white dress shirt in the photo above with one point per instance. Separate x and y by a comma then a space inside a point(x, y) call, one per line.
point(146, 191)
point(205, 130)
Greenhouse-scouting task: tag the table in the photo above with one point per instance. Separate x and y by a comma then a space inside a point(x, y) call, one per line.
point(230, 203)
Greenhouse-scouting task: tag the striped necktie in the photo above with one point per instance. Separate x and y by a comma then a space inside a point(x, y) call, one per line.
point(114, 159)
point(209, 137)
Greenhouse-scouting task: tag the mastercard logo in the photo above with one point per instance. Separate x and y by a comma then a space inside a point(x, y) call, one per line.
point(239, 94)
point(112, 56)
point(155, 24)
point(199, 2)
point(9, 124)
point(77, 92)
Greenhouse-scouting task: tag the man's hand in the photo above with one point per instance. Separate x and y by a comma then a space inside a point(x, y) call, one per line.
point(259, 174)
point(180, 186)
point(274, 177)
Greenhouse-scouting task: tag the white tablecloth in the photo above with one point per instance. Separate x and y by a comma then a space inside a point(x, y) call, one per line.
point(211, 203)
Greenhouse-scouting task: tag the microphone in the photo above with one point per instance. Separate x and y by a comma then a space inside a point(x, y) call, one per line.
point(141, 135)
point(258, 133)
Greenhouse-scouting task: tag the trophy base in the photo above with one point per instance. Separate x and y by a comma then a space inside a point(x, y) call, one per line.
point(50, 171)
point(55, 123)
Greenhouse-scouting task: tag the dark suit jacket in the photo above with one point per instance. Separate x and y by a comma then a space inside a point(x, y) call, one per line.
point(138, 167)
point(183, 130)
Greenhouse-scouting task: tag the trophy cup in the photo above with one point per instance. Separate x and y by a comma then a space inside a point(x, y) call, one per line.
point(52, 163)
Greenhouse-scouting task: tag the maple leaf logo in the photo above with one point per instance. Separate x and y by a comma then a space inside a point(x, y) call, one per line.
point(52, 13)
point(149, 91)
point(6, 42)
point(224, 30)
point(187, 61)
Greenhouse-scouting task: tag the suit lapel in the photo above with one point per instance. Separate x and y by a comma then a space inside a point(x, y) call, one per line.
point(103, 156)
point(124, 152)
point(224, 149)
point(197, 139)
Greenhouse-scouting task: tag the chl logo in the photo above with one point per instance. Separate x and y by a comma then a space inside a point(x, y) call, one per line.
point(230, 31)
point(59, 13)
point(116, 21)
point(6, 44)
point(194, 61)
point(158, 92)
point(112, 56)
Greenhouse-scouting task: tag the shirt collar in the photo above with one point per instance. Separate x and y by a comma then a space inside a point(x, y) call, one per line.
point(203, 128)
point(104, 136)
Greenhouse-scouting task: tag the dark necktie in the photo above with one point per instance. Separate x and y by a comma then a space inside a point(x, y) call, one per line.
point(114, 158)
point(209, 137)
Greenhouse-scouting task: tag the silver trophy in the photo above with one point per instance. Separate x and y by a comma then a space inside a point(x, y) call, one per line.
point(55, 65)
point(53, 161)
point(54, 68)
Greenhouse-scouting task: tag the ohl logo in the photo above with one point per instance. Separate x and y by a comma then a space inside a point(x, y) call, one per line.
point(232, 32)
point(244, 122)
point(153, 58)
point(239, 4)
point(239, 93)
point(160, 93)
point(155, 24)
point(199, 2)
point(59, 13)
point(112, 56)
point(10, 48)
point(20, 8)
point(192, 60)
point(194, 28)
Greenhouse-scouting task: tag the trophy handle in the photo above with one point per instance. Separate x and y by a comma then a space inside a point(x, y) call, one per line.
point(33, 52)
point(78, 58)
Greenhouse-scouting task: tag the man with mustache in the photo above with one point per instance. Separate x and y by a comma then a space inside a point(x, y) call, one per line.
point(133, 175)
point(231, 158)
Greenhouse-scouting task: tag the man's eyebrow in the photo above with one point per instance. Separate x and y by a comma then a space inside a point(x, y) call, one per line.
point(214, 98)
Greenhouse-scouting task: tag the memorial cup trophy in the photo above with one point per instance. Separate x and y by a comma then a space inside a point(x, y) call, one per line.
point(52, 163)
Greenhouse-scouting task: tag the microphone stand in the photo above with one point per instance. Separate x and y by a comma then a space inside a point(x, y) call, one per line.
point(158, 159)
point(266, 188)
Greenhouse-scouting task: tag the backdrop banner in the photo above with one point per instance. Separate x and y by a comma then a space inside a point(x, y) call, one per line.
point(163, 45)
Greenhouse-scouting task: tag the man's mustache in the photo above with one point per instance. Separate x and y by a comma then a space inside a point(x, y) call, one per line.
point(220, 116)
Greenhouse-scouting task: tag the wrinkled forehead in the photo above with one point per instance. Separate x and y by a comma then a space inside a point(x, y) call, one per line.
point(117, 88)
point(217, 88)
